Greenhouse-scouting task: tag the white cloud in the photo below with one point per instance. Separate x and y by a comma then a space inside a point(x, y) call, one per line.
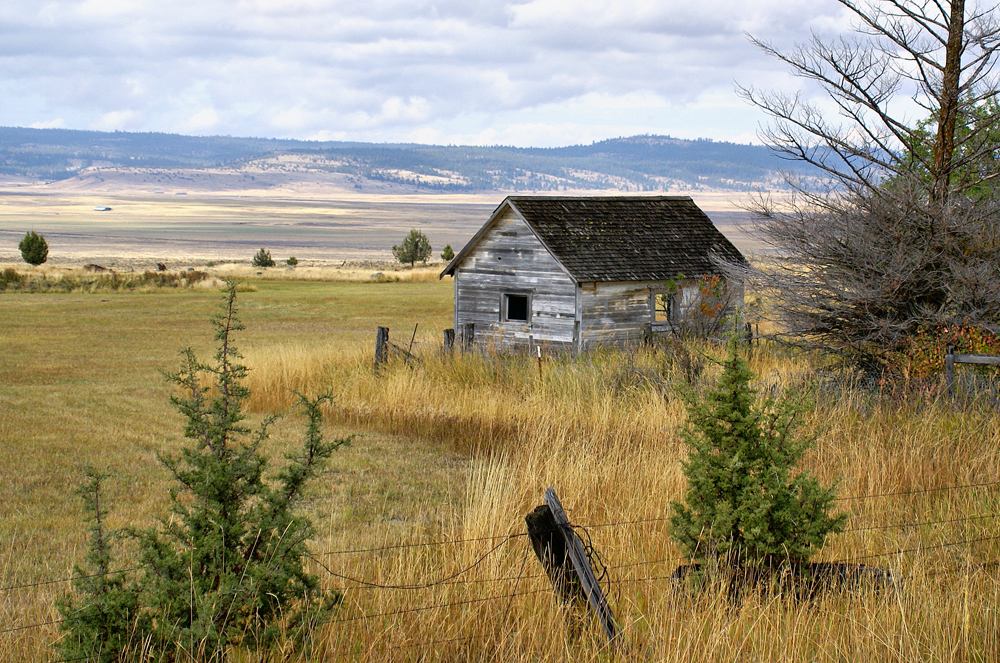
point(123, 120)
point(57, 123)
point(202, 122)
point(553, 71)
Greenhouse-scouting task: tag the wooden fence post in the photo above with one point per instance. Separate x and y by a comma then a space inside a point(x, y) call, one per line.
point(949, 370)
point(554, 543)
point(951, 359)
point(381, 346)
point(468, 335)
point(449, 339)
point(550, 548)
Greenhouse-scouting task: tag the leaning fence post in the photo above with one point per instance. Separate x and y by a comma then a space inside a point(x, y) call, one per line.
point(949, 370)
point(554, 542)
point(381, 346)
point(449, 339)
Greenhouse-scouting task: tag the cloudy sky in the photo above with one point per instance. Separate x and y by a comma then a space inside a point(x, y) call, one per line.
point(531, 73)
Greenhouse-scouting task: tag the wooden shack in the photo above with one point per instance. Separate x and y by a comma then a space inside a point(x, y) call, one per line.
point(577, 272)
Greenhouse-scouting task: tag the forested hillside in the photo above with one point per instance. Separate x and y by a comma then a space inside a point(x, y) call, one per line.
point(638, 163)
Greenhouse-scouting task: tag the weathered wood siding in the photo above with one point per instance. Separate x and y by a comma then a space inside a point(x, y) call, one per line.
point(510, 259)
point(613, 313)
point(620, 313)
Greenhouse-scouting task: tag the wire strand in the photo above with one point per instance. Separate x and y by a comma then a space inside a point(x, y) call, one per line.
point(30, 626)
point(404, 611)
point(926, 522)
point(409, 587)
point(422, 544)
point(917, 492)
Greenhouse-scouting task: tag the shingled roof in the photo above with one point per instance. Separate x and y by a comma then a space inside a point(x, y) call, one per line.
point(621, 238)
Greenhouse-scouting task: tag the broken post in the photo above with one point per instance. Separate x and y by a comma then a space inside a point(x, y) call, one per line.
point(468, 335)
point(381, 347)
point(449, 339)
point(565, 562)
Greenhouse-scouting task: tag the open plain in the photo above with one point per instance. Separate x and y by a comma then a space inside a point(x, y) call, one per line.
point(318, 222)
point(420, 520)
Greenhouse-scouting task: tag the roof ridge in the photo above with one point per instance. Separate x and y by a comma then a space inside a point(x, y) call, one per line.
point(621, 197)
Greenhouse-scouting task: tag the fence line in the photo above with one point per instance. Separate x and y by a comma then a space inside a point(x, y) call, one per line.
point(546, 590)
point(451, 580)
point(506, 537)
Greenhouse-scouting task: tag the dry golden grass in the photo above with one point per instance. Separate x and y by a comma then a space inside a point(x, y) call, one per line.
point(350, 272)
point(461, 447)
point(603, 431)
point(369, 271)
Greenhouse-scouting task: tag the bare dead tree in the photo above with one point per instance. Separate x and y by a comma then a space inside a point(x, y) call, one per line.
point(900, 228)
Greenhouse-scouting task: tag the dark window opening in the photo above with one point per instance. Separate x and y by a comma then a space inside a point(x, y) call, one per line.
point(515, 308)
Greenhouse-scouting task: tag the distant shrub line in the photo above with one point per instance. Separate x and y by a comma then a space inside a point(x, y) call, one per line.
point(11, 279)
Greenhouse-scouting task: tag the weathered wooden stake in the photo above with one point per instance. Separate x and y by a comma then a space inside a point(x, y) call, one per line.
point(449, 339)
point(554, 543)
point(468, 335)
point(949, 371)
point(550, 548)
point(381, 347)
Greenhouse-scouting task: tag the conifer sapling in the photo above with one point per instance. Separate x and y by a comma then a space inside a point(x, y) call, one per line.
point(226, 568)
point(746, 506)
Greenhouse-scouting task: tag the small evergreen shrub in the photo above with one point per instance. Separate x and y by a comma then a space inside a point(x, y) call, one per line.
point(226, 568)
point(292, 261)
point(34, 248)
point(103, 626)
point(448, 253)
point(262, 258)
point(746, 506)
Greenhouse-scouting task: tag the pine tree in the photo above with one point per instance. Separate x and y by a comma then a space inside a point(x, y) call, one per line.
point(447, 253)
point(746, 506)
point(414, 247)
point(226, 568)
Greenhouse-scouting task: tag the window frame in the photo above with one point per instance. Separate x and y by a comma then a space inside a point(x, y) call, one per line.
point(672, 306)
point(504, 307)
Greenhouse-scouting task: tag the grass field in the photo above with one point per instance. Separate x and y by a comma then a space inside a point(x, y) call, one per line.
point(460, 448)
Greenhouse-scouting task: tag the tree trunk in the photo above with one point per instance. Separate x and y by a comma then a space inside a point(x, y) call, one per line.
point(944, 145)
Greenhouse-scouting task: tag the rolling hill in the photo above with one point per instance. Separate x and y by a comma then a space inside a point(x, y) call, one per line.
point(637, 163)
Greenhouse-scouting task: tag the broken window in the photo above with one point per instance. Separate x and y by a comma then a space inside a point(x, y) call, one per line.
point(515, 308)
point(665, 307)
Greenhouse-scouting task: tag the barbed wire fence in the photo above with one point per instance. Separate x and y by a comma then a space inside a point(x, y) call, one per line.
point(616, 576)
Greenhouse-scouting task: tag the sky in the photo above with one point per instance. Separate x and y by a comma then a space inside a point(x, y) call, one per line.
point(471, 72)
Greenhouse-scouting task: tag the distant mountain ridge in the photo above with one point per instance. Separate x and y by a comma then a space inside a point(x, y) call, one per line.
point(636, 163)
